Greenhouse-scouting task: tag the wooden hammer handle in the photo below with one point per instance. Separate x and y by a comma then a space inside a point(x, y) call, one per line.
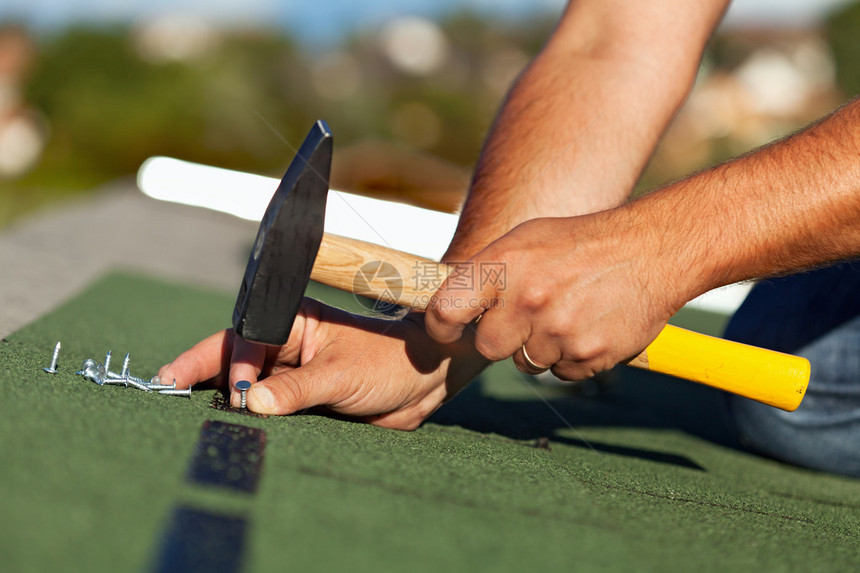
point(377, 272)
point(382, 273)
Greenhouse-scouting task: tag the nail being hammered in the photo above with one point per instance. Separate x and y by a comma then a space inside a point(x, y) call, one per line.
point(243, 386)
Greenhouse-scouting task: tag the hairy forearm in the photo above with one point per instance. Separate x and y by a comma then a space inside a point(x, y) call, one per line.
point(579, 125)
point(787, 207)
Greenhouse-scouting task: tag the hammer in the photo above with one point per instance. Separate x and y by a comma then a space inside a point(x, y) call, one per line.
point(291, 249)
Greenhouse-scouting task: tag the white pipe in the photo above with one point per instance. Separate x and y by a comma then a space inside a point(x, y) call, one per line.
point(422, 232)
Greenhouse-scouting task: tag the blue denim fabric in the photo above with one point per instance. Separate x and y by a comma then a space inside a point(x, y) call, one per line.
point(815, 315)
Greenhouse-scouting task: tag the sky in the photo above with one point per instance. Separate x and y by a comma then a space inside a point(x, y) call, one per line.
point(324, 21)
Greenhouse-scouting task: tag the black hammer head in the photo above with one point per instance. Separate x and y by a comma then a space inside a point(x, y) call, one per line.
point(287, 243)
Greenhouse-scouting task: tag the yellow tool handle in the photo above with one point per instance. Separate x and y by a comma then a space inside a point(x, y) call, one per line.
point(767, 376)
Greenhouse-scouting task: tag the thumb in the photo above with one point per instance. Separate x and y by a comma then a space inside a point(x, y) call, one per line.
point(460, 300)
point(293, 390)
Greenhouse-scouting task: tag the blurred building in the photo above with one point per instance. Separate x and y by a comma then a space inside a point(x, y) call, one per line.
point(23, 130)
point(390, 171)
point(233, 97)
point(754, 86)
point(174, 37)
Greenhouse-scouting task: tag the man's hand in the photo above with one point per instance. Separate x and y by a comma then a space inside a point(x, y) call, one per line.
point(388, 373)
point(584, 293)
point(580, 295)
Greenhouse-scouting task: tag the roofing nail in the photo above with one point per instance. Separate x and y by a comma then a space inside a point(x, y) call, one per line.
point(86, 365)
point(243, 386)
point(156, 384)
point(52, 369)
point(125, 366)
point(185, 392)
point(94, 372)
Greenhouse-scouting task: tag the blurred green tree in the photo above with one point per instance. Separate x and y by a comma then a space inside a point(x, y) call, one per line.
point(842, 30)
point(247, 100)
point(109, 108)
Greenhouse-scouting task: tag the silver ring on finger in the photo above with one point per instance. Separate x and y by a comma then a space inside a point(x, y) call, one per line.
point(531, 363)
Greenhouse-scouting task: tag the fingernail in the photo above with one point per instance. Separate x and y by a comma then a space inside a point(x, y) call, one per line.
point(263, 396)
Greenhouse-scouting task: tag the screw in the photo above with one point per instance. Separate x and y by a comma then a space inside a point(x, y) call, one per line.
point(185, 392)
point(132, 378)
point(107, 362)
point(52, 369)
point(138, 385)
point(92, 370)
point(125, 366)
point(86, 365)
point(157, 385)
point(128, 382)
point(243, 386)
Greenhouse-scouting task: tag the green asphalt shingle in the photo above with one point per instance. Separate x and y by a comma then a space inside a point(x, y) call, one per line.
point(638, 479)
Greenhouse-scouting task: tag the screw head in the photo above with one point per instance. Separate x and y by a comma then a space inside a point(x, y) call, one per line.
point(243, 386)
point(96, 373)
point(92, 370)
